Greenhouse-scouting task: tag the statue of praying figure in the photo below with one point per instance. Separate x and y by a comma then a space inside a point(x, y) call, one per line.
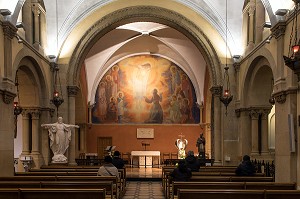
point(60, 137)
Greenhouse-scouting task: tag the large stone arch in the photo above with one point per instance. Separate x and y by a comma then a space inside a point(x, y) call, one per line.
point(150, 14)
point(35, 66)
point(259, 59)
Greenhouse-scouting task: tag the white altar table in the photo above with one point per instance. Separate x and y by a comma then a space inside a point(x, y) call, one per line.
point(145, 154)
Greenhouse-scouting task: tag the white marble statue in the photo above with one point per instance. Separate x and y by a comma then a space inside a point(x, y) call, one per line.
point(60, 137)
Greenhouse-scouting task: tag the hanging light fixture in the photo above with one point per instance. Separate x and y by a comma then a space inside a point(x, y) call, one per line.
point(293, 59)
point(17, 108)
point(226, 96)
point(56, 100)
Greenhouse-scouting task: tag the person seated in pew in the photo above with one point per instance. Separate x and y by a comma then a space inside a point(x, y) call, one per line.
point(192, 162)
point(108, 169)
point(117, 161)
point(181, 173)
point(246, 168)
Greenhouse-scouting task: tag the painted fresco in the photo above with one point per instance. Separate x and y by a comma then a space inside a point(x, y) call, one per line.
point(145, 89)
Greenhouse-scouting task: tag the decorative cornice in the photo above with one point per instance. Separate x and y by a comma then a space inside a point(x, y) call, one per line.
point(280, 97)
point(7, 97)
point(50, 110)
point(72, 90)
point(252, 111)
point(240, 110)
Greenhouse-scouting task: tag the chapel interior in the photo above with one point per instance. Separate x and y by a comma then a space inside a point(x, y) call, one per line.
point(143, 75)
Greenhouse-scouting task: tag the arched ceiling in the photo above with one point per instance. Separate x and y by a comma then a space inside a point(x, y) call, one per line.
point(66, 16)
point(149, 38)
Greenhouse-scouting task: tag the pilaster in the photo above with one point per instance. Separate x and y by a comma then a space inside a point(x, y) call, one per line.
point(72, 92)
point(216, 138)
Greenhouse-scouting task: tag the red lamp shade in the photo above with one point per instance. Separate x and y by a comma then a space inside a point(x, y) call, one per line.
point(226, 93)
point(296, 48)
point(16, 104)
point(55, 94)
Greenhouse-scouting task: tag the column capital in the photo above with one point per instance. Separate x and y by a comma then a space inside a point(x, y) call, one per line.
point(25, 113)
point(35, 114)
point(254, 113)
point(251, 8)
point(9, 29)
point(279, 29)
point(72, 91)
point(280, 97)
point(7, 97)
point(216, 90)
point(36, 9)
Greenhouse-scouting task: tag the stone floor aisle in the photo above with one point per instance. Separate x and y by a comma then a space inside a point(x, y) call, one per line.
point(143, 190)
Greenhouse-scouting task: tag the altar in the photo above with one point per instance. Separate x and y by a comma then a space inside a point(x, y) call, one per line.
point(145, 157)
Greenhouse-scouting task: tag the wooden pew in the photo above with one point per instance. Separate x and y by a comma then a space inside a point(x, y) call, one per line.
point(237, 194)
point(9, 193)
point(167, 187)
point(114, 179)
point(107, 185)
point(218, 194)
point(231, 185)
point(45, 193)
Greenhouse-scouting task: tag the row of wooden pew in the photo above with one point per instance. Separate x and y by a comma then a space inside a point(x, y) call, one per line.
point(221, 182)
point(47, 183)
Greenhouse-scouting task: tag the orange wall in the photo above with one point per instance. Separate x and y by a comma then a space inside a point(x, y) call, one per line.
point(125, 140)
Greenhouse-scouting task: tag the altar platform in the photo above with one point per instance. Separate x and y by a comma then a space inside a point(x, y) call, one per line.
point(143, 174)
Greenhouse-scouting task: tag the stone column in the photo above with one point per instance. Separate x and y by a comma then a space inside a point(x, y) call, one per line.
point(245, 131)
point(35, 114)
point(251, 13)
point(286, 161)
point(264, 132)
point(279, 76)
point(72, 92)
point(25, 134)
point(254, 131)
point(6, 133)
point(9, 31)
point(298, 137)
point(36, 14)
point(216, 139)
point(35, 153)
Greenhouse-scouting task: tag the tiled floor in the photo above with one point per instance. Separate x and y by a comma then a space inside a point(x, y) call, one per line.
point(143, 190)
point(143, 183)
point(143, 172)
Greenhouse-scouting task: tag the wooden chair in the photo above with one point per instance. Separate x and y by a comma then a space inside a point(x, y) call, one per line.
point(165, 156)
point(126, 157)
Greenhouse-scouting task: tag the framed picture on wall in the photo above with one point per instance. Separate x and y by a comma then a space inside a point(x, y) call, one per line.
point(144, 133)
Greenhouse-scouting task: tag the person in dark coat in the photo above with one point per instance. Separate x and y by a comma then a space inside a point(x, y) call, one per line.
point(117, 161)
point(246, 168)
point(192, 162)
point(181, 173)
